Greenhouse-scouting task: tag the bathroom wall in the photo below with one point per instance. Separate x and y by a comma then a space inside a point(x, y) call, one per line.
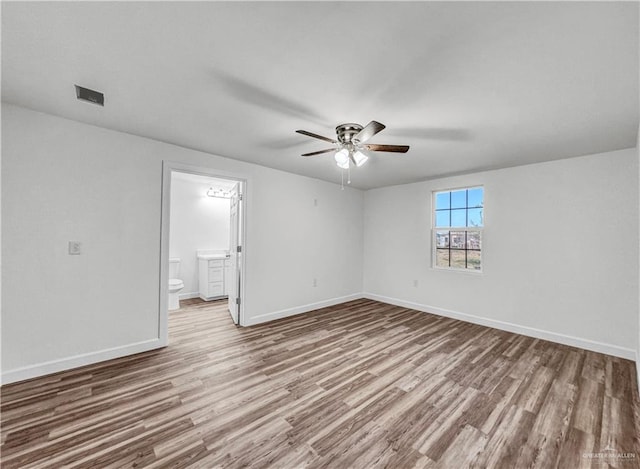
point(197, 222)
point(67, 181)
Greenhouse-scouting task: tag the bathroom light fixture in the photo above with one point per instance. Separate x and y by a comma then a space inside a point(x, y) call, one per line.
point(218, 193)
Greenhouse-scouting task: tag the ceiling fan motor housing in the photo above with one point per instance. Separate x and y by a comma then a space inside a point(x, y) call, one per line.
point(345, 132)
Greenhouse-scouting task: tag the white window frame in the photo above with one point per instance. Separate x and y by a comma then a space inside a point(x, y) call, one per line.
point(467, 229)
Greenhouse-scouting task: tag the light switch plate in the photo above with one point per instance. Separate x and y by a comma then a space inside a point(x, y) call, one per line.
point(75, 248)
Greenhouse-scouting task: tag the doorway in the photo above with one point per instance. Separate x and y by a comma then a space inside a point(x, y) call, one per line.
point(211, 264)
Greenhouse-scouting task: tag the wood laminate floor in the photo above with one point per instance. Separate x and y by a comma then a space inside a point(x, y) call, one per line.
point(359, 385)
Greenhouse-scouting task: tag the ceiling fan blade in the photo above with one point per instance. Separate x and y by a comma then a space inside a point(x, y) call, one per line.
point(432, 133)
point(319, 152)
point(389, 148)
point(310, 134)
point(369, 131)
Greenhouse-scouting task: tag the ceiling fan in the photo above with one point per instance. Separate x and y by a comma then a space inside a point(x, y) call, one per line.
point(350, 145)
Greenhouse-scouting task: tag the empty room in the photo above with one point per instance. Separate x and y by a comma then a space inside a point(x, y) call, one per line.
point(320, 235)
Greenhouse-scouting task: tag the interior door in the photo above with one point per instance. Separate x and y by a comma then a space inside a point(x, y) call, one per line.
point(235, 252)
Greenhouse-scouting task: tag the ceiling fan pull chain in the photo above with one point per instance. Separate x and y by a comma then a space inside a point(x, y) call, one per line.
point(349, 174)
point(342, 179)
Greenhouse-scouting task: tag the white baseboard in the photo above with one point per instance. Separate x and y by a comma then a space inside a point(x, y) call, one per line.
point(586, 344)
point(284, 313)
point(54, 366)
point(188, 296)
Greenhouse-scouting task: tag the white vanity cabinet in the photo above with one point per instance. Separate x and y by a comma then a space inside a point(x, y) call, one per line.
point(212, 273)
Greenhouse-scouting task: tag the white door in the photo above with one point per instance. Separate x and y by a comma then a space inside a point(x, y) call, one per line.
point(235, 251)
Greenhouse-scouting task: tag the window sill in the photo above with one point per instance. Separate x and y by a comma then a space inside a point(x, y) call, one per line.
point(459, 271)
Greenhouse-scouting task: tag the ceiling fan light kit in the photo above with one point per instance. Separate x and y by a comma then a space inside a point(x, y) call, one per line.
point(359, 157)
point(342, 158)
point(349, 144)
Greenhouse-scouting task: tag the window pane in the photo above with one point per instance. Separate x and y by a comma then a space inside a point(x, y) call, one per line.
point(475, 217)
point(458, 217)
point(442, 239)
point(442, 258)
point(459, 199)
point(442, 200)
point(442, 218)
point(473, 260)
point(457, 232)
point(476, 197)
point(474, 240)
point(457, 239)
point(458, 259)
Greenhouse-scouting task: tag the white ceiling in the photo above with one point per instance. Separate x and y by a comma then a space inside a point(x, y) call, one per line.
point(469, 86)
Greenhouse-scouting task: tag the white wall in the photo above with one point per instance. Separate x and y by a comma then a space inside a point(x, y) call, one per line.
point(546, 265)
point(196, 222)
point(63, 180)
point(560, 251)
point(638, 328)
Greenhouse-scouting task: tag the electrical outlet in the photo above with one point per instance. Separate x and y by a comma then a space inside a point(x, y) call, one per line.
point(75, 248)
point(415, 283)
point(315, 282)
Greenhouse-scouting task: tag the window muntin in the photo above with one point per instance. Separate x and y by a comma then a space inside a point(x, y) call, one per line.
point(458, 223)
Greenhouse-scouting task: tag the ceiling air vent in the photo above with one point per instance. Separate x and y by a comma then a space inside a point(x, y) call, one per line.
point(90, 96)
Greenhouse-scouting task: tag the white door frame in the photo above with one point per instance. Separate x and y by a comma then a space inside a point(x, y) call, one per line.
point(169, 167)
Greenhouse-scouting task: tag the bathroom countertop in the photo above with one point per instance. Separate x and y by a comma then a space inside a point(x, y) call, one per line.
point(209, 257)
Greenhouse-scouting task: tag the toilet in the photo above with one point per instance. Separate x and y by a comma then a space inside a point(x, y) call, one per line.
point(175, 284)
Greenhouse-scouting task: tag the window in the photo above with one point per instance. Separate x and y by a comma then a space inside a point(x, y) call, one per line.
point(457, 228)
